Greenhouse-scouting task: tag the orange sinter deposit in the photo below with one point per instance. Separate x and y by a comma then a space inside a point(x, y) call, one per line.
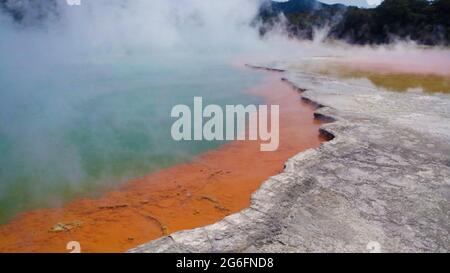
point(198, 193)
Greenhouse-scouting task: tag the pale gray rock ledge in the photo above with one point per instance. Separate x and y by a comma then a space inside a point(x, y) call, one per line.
point(384, 178)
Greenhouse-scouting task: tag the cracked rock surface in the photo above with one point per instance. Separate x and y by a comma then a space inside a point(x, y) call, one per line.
point(384, 179)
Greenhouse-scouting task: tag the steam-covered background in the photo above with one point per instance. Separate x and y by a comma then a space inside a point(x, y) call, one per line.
point(86, 91)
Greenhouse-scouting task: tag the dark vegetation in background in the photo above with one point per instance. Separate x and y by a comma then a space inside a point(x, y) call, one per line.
point(426, 22)
point(303, 16)
point(423, 21)
point(29, 12)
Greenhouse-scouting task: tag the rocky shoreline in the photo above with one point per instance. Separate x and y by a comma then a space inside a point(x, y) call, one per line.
point(381, 184)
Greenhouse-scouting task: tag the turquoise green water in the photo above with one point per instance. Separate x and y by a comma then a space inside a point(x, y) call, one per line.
point(79, 129)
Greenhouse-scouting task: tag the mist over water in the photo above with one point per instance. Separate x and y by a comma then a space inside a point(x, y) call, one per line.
point(86, 92)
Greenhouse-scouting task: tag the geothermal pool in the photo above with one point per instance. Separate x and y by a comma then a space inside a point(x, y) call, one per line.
point(202, 191)
point(82, 128)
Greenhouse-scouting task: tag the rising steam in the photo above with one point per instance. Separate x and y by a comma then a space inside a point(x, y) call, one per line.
point(59, 63)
